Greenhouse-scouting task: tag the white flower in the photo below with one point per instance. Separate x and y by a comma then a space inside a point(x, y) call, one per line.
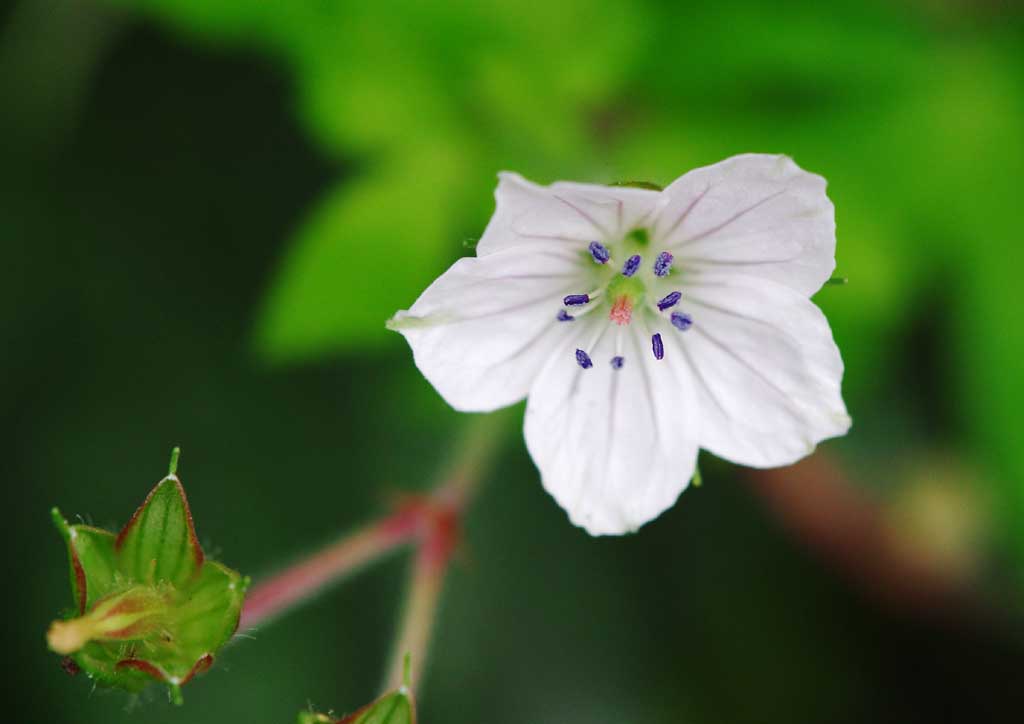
point(642, 325)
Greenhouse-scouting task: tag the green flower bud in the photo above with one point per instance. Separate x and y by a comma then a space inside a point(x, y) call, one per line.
point(395, 707)
point(149, 606)
point(308, 717)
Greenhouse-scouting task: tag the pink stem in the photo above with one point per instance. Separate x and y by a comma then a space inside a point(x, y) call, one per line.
point(293, 585)
point(430, 520)
point(440, 536)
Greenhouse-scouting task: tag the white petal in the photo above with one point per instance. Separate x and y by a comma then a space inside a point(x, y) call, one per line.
point(768, 373)
point(755, 214)
point(615, 448)
point(563, 214)
point(484, 328)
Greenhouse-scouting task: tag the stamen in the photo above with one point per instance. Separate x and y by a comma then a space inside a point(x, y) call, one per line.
point(564, 316)
point(617, 362)
point(583, 359)
point(663, 264)
point(656, 345)
point(575, 300)
point(631, 265)
point(622, 310)
point(680, 321)
point(670, 300)
point(600, 252)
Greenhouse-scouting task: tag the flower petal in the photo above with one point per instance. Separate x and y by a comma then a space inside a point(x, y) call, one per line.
point(484, 328)
point(615, 447)
point(757, 214)
point(767, 370)
point(565, 213)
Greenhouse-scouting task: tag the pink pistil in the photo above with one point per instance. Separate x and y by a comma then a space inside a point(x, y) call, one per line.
point(622, 310)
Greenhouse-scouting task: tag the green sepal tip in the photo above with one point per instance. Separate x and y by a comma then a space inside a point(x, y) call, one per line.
point(174, 694)
point(172, 468)
point(407, 670)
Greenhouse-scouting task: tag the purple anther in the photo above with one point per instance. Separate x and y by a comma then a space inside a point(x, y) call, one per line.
point(600, 252)
point(631, 265)
point(617, 363)
point(658, 346)
point(681, 321)
point(583, 359)
point(670, 300)
point(663, 264)
point(564, 316)
point(575, 300)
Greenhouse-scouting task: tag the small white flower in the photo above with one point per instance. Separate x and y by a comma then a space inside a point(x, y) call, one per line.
point(643, 325)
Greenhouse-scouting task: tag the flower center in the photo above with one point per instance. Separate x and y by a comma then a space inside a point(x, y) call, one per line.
point(628, 269)
point(639, 236)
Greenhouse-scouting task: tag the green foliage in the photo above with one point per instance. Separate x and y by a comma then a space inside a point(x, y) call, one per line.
point(368, 244)
point(148, 605)
point(918, 132)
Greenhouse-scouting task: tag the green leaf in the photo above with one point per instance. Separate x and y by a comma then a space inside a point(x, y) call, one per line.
point(91, 560)
point(159, 542)
point(370, 248)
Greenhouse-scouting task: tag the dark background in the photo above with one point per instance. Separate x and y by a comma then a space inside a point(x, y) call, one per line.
point(207, 210)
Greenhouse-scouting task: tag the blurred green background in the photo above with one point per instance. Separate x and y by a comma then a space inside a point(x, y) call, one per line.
point(209, 207)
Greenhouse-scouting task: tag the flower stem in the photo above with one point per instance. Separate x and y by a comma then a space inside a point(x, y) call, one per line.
point(417, 519)
point(303, 580)
point(413, 640)
point(439, 537)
